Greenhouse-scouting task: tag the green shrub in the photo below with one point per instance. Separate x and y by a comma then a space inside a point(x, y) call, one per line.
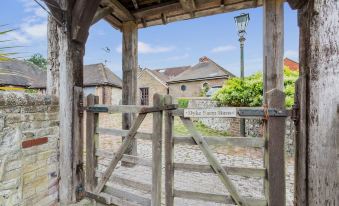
point(249, 93)
point(183, 103)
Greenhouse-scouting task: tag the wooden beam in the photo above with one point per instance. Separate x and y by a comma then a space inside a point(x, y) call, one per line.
point(55, 10)
point(120, 11)
point(317, 177)
point(129, 76)
point(101, 13)
point(82, 16)
point(296, 4)
point(274, 127)
point(188, 5)
point(52, 58)
point(135, 4)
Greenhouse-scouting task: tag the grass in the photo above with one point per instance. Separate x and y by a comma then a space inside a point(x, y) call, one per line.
point(180, 129)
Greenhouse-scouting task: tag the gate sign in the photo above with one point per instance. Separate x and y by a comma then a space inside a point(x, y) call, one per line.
point(212, 112)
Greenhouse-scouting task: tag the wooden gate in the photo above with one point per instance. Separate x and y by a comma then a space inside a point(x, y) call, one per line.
point(272, 143)
point(94, 186)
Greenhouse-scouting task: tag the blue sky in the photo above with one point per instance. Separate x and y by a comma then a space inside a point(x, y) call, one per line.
point(175, 44)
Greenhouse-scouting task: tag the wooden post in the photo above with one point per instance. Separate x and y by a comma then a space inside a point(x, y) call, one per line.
point(157, 151)
point(317, 177)
point(71, 75)
point(274, 128)
point(130, 67)
point(92, 122)
point(52, 58)
point(169, 154)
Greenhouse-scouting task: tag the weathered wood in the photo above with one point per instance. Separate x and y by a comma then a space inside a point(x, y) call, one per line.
point(240, 171)
point(296, 4)
point(100, 14)
point(158, 101)
point(82, 16)
point(71, 75)
point(120, 11)
point(52, 58)
point(92, 121)
point(126, 196)
point(188, 5)
point(217, 198)
point(128, 140)
point(119, 132)
point(219, 170)
point(255, 142)
point(128, 108)
point(274, 154)
point(55, 10)
point(169, 153)
point(273, 45)
point(126, 158)
point(129, 76)
point(319, 64)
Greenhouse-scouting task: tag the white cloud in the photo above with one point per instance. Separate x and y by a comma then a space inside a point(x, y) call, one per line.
point(179, 57)
point(35, 30)
point(292, 54)
point(225, 48)
point(144, 48)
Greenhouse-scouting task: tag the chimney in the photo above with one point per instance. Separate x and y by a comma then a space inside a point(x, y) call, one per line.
point(204, 59)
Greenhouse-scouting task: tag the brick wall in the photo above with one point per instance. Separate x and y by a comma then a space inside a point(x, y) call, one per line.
point(29, 141)
point(146, 80)
point(192, 88)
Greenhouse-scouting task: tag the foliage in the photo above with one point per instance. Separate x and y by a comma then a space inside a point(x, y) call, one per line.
point(180, 129)
point(39, 61)
point(248, 93)
point(204, 90)
point(4, 53)
point(183, 103)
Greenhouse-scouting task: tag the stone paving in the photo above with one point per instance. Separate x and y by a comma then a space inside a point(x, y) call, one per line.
point(193, 181)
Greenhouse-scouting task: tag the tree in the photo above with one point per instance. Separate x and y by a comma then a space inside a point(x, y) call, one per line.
point(249, 92)
point(39, 61)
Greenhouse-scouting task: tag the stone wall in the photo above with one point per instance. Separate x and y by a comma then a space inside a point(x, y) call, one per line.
point(254, 127)
point(29, 138)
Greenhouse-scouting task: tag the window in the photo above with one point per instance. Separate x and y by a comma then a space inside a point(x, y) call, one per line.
point(144, 96)
point(183, 87)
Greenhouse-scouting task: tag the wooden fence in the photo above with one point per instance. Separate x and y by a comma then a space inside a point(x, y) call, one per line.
point(164, 109)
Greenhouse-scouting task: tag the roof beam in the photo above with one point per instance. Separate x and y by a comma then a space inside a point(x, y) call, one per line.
point(135, 4)
point(188, 5)
point(82, 16)
point(55, 9)
point(101, 13)
point(120, 11)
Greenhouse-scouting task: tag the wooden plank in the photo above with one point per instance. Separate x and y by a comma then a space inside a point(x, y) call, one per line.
point(157, 151)
point(126, 196)
point(188, 5)
point(121, 132)
point(129, 75)
point(256, 142)
point(101, 13)
point(53, 78)
point(55, 10)
point(101, 198)
point(217, 198)
point(126, 158)
point(82, 16)
point(219, 170)
point(296, 4)
point(319, 68)
point(274, 154)
point(128, 140)
point(120, 11)
point(128, 108)
point(240, 171)
point(169, 154)
point(128, 182)
point(92, 121)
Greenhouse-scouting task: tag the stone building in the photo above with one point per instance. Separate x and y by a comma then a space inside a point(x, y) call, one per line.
point(185, 81)
point(20, 76)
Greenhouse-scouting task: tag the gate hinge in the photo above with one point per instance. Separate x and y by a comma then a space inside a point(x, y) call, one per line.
point(295, 113)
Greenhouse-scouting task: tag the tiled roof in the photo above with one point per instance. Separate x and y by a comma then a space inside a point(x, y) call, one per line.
point(99, 74)
point(172, 72)
point(293, 65)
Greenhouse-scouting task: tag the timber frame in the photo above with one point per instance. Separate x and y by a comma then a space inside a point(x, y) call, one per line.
point(316, 175)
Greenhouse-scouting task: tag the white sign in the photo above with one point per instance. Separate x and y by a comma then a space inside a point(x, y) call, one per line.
point(213, 112)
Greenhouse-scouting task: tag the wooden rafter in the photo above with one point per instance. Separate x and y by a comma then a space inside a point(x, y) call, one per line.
point(120, 11)
point(55, 9)
point(296, 4)
point(82, 16)
point(101, 13)
point(135, 4)
point(188, 5)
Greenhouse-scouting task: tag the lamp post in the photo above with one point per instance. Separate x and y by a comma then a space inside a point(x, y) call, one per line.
point(242, 21)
